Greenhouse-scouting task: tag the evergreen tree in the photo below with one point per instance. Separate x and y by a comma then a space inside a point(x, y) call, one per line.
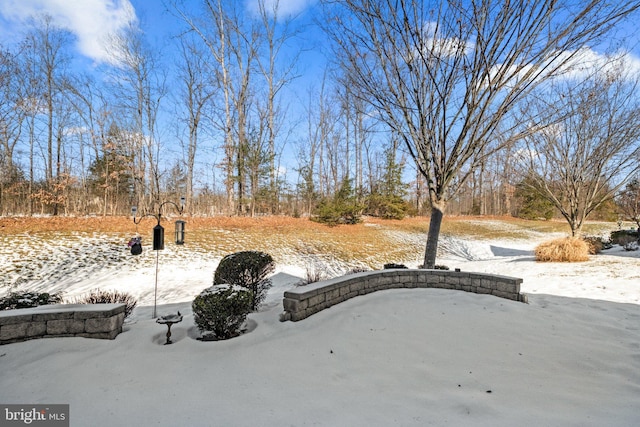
point(533, 205)
point(387, 197)
point(343, 208)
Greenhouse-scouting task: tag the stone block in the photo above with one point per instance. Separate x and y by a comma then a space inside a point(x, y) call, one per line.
point(355, 287)
point(291, 304)
point(507, 287)
point(48, 316)
point(36, 329)
point(11, 317)
point(313, 301)
point(432, 279)
point(63, 327)
point(112, 323)
point(14, 331)
point(405, 278)
point(333, 295)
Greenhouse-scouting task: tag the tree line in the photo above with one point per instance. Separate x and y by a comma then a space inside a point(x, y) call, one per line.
point(475, 107)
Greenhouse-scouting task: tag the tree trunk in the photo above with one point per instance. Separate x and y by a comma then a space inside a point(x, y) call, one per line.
point(437, 213)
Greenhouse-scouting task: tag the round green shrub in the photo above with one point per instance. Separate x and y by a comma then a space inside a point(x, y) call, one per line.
point(221, 309)
point(248, 269)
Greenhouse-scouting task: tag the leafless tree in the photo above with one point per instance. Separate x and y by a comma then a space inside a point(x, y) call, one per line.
point(93, 116)
point(46, 58)
point(196, 91)
point(140, 86)
point(277, 31)
point(12, 118)
point(445, 75)
point(50, 42)
point(232, 42)
point(592, 147)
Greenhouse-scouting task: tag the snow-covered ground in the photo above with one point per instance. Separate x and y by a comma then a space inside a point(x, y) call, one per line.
point(571, 357)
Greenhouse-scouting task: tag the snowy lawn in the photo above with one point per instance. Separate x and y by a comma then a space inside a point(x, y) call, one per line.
point(571, 357)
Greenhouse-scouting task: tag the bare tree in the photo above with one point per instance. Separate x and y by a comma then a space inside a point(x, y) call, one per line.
point(12, 117)
point(277, 32)
point(93, 116)
point(232, 41)
point(591, 149)
point(50, 42)
point(140, 85)
point(45, 65)
point(196, 91)
point(444, 75)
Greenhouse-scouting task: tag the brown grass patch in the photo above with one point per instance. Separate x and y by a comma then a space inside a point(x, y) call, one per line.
point(567, 249)
point(369, 244)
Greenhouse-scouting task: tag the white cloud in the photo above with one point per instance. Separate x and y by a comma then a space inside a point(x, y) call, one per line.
point(90, 20)
point(587, 61)
point(284, 7)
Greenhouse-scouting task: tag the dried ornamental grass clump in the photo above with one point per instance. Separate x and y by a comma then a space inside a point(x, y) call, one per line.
point(568, 249)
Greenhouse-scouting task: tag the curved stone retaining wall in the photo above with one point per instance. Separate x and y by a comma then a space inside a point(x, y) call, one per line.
point(304, 301)
point(62, 320)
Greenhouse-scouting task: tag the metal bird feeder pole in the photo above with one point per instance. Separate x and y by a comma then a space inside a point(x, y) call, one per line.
point(158, 237)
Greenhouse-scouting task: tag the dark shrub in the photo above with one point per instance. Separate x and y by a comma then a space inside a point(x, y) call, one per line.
point(532, 204)
point(97, 296)
point(221, 309)
point(597, 244)
point(28, 299)
point(622, 237)
point(248, 269)
point(343, 208)
point(392, 265)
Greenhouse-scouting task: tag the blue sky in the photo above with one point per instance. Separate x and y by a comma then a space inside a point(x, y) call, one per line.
point(92, 20)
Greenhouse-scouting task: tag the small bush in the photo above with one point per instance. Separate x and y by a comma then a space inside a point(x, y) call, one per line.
point(622, 237)
point(313, 275)
point(248, 269)
point(28, 299)
point(333, 213)
point(221, 309)
point(389, 206)
point(568, 249)
point(392, 265)
point(596, 244)
point(343, 208)
point(97, 296)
